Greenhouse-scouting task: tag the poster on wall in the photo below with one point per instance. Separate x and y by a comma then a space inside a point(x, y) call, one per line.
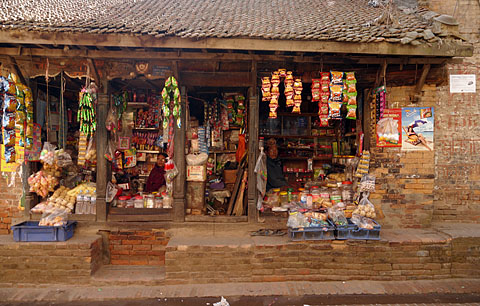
point(417, 129)
point(463, 83)
point(34, 153)
point(389, 128)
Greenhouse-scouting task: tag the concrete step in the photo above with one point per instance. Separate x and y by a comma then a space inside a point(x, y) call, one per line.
point(128, 275)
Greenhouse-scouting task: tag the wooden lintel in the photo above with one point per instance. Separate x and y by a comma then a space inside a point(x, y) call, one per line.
point(127, 53)
point(420, 83)
point(445, 49)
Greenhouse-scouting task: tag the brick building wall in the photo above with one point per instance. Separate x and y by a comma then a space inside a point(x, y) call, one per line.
point(137, 247)
point(9, 200)
point(404, 179)
point(457, 126)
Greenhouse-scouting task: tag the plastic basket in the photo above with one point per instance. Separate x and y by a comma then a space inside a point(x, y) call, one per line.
point(312, 233)
point(352, 231)
point(366, 234)
point(30, 231)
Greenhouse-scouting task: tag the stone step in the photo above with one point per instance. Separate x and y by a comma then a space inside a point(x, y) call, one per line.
point(127, 275)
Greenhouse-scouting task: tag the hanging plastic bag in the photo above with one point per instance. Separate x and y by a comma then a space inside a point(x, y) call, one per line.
point(47, 156)
point(241, 150)
point(365, 207)
point(110, 150)
point(261, 171)
point(63, 159)
point(112, 191)
point(197, 159)
point(91, 155)
point(111, 122)
point(367, 183)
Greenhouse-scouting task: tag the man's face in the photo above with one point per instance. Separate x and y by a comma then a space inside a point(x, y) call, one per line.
point(161, 160)
point(272, 152)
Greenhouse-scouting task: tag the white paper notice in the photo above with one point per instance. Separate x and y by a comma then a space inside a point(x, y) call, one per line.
point(463, 83)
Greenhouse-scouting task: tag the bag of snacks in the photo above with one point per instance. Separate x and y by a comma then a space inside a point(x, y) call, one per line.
point(365, 208)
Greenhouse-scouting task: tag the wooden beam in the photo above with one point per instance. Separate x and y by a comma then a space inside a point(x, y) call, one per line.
point(418, 87)
point(93, 68)
point(16, 69)
point(445, 49)
point(126, 53)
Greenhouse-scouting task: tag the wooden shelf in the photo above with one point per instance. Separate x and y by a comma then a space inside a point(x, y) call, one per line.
point(297, 115)
point(304, 158)
point(139, 211)
point(223, 151)
point(215, 219)
point(73, 217)
point(297, 148)
point(148, 151)
point(137, 104)
point(145, 129)
point(296, 136)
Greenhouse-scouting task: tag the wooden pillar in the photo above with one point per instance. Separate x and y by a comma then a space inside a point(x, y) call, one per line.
point(179, 158)
point(102, 171)
point(253, 126)
point(29, 167)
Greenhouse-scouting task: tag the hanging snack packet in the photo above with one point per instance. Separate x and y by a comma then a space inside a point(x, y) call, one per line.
point(337, 77)
point(9, 154)
point(28, 143)
point(324, 97)
point(335, 110)
point(8, 121)
point(350, 76)
point(275, 78)
point(297, 86)
point(266, 85)
point(352, 112)
point(351, 86)
point(352, 98)
point(336, 93)
point(9, 103)
point(282, 72)
point(8, 137)
point(323, 121)
point(289, 79)
point(323, 109)
point(325, 76)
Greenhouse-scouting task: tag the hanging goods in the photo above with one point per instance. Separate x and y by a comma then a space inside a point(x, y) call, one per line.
point(86, 113)
point(171, 89)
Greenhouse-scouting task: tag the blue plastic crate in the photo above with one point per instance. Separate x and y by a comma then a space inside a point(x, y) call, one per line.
point(344, 232)
point(30, 231)
point(312, 233)
point(352, 231)
point(366, 234)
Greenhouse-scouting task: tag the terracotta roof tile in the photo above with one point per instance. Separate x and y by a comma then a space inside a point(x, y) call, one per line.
point(339, 20)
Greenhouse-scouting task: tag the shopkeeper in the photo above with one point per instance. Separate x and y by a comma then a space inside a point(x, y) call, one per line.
point(275, 178)
point(156, 178)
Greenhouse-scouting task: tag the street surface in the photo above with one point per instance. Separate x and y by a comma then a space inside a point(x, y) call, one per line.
point(416, 299)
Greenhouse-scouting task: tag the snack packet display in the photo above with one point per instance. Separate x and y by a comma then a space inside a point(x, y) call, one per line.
point(266, 85)
point(289, 91)
point(297, 98)
point(8, 137)
point(363, 165)
point(9, 103)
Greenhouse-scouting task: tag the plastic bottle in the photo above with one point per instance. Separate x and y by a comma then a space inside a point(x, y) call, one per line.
point(79, 208)
point(86, 203)
point(93, 203)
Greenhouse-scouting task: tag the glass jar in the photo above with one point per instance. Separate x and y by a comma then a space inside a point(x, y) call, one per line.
point(315, 197)
point(158, 202)
point(139, 202)
point(347, 192)
point(283, 198)
point(130, 203)
point(290, 194)
point(295, 196)
point(309, 201)
point(303, 197)
point(335, 196)
point(149, 201)
point(167, 200)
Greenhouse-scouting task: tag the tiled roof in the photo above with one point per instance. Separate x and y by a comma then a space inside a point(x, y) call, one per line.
point(334, 20)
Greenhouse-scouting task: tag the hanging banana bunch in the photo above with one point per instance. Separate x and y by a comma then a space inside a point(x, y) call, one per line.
point(86, 112)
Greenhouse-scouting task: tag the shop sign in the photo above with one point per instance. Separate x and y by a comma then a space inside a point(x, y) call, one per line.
point(389, 128)
point(463, 83)
point(417, 129)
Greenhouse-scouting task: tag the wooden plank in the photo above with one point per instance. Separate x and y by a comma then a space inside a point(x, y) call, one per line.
point(139, 218)
point(216, 79)
point(253, 129)
point(420, 83)
point(16, 69)
point(215, 219)
point(238, 209)
point(225, 57)
point(140, 211)
point(93, 68)
point(236, 187)
point(448, 49)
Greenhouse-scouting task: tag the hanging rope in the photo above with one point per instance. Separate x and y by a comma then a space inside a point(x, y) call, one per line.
point(48, 103)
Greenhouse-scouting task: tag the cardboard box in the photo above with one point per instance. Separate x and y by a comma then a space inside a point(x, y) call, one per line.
point(229, 176)
point(196, 173)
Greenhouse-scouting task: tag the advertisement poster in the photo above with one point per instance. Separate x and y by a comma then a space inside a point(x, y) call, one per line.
point(463, 83)
point(34, 153)
point(389, 128)
point(417, 129)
